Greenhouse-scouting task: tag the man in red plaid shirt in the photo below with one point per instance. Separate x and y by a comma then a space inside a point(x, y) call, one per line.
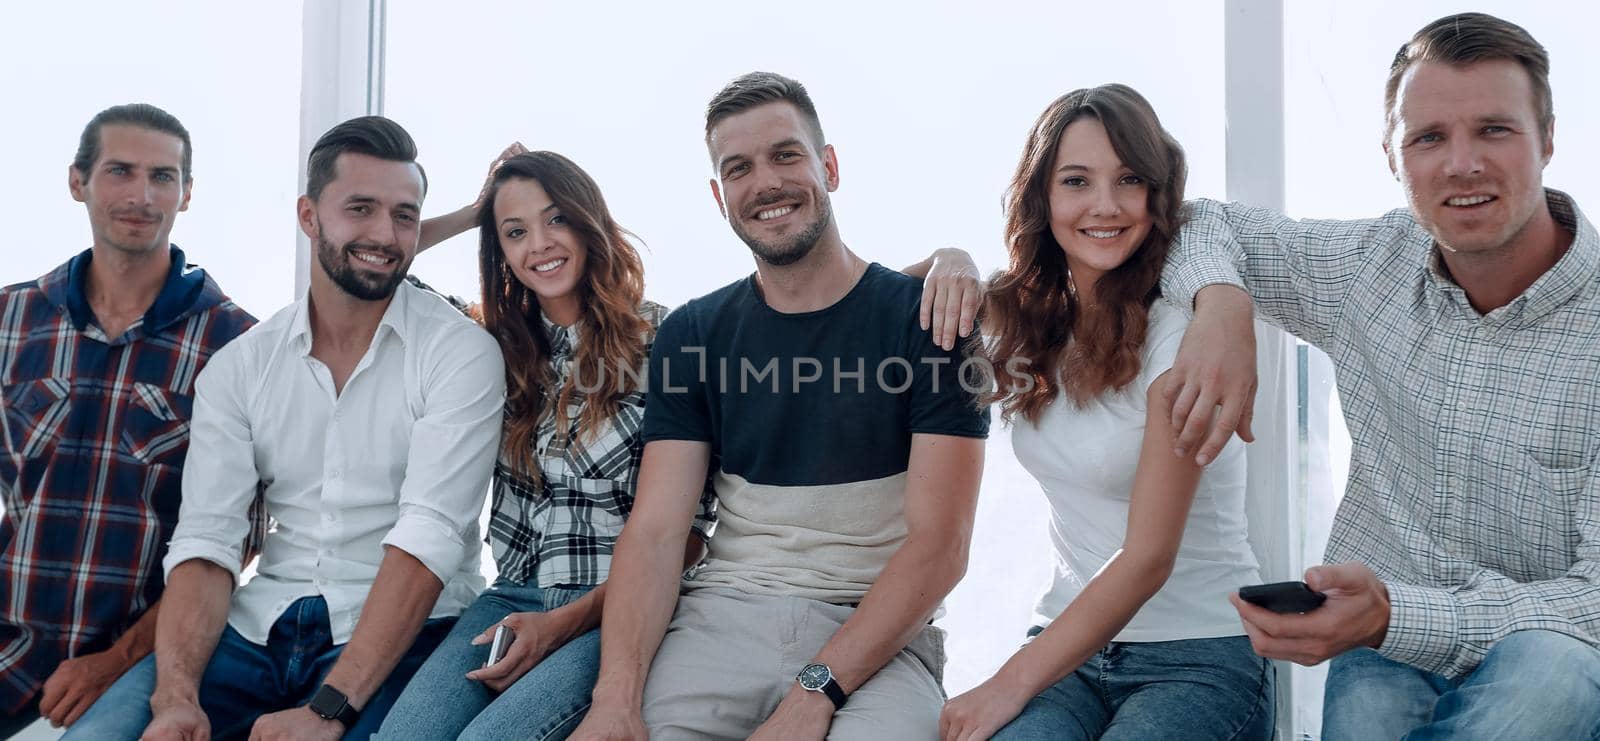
point(97, 366)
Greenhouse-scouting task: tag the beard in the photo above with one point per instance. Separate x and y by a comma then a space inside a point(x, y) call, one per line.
point(339, 264)
point(788, 250)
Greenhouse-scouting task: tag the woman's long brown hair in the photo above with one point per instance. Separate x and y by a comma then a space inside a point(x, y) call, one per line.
point(1041, 336)
point(611, 333)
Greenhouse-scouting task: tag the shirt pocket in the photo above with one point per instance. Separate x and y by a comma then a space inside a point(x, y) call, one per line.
point(34, 413)
point(155, 425)
point(1549, 515)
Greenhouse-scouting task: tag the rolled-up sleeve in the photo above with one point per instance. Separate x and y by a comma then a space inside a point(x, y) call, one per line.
point(1201, 254)
point(220, 482)
point(452, 452)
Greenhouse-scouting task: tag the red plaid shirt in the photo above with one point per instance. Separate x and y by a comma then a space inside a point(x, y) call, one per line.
point(93, 433)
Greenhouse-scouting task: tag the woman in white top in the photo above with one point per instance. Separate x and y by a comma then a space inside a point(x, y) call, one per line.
point(1134, 637)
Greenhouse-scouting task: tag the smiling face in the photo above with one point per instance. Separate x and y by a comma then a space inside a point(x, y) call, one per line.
point(542, 249)
point(365, 224)
point(134, 190)
point(1469, 152)
point(1099, 209)
point(772, 182)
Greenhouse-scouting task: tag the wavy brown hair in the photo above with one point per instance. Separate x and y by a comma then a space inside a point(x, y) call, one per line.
point(610, 334)
point(1039, 333)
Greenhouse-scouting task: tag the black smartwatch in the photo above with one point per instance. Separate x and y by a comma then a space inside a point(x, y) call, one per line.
point(331, 704)
point(819, 678)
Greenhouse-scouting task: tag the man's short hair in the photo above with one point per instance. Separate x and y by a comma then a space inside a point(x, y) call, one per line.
point(141, 115)
point(374, 136)
point(756, 89)
point(1466, 38)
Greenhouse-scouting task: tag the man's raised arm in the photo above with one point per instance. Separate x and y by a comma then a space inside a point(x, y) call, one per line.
point(1298, 273)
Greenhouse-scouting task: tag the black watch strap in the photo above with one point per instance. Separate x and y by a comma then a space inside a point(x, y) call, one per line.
point(834, 693)
point(331, 704)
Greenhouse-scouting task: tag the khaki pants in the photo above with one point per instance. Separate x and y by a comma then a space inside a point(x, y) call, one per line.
point(729, 657)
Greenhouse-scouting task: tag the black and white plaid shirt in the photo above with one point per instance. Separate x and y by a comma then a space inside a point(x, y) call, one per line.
point(1471, 489)
point(561, 532)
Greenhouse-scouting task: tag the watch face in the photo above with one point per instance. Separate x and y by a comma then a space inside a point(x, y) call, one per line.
point(813, 677)
point(328, 702)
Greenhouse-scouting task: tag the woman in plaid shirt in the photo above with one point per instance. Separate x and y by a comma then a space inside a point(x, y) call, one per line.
point(563, 293)
point(564, 296)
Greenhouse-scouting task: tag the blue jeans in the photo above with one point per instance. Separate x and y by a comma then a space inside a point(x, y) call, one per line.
point(245, 681)
point(546, 703)
point(1532, 684)
point(1206, 688)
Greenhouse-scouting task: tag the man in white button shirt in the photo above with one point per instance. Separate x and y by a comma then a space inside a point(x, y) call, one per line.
point(367, 415)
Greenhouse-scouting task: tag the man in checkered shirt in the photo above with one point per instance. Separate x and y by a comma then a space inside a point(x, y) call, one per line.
point(1464, 579)
point(97, 366)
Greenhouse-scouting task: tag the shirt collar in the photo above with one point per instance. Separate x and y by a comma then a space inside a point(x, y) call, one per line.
point(1575, 271)
point(563, 340)
point(67, 288)
point(395, 318)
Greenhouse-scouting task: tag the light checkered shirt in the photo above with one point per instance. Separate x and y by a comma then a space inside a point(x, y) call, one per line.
point(561, 531)
point(1470, 491)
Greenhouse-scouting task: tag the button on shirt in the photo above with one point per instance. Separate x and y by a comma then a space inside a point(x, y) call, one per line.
point(92, 436)
point(1471, 490)
point(401, 457)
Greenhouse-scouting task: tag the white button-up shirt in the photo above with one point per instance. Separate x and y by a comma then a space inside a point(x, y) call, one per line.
point(402, 458)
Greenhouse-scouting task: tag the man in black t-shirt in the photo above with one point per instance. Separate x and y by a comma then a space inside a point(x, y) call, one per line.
point(845, 449)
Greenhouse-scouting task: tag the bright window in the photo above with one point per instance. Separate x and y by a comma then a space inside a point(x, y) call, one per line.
point(230, 73)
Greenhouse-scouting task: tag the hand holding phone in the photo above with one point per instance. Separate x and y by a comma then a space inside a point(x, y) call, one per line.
point(1283, 596)
point(497, 648)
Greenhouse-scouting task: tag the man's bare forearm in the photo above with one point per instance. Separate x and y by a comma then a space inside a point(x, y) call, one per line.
point(584, 614)
point(643, 568)
point(402, 596)
point(187, 629)
point(440, 228)
point(138, 641)
point(897, 608)
point(1224, 300)
point(941, 502)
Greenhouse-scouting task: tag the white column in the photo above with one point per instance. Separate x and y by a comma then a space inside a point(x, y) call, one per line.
point(1254, 105)
point(341, 77)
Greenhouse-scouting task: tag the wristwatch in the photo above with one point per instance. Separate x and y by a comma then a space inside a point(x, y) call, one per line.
point(819, 678)
point(331, 704)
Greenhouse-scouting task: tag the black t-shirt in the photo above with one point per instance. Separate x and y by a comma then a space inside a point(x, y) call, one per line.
point(818, 398)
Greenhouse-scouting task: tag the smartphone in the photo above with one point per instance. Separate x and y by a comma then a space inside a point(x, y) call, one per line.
point(497, 647)
point(1283, 596)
